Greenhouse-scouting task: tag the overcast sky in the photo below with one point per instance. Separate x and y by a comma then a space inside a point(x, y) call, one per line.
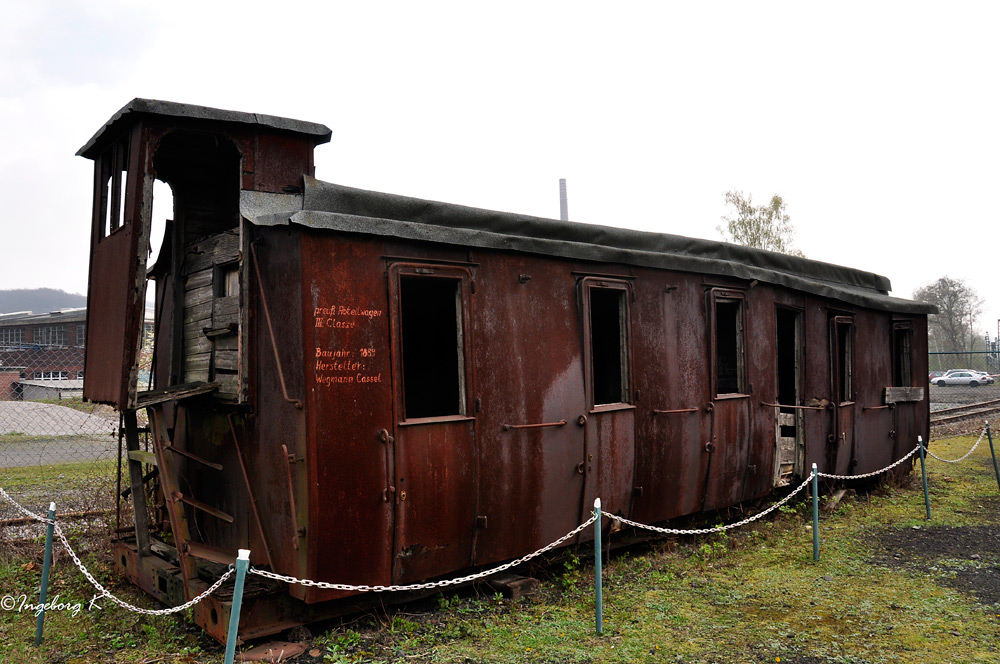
point(876, 121)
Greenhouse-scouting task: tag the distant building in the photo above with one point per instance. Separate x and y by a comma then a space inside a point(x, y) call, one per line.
point(41, 355)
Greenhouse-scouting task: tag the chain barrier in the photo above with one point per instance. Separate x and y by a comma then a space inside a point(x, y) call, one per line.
point(104, 592)
point(716, 529)
point(28, 513)
point(425, 586)
point(873, 473)
point(967, 454)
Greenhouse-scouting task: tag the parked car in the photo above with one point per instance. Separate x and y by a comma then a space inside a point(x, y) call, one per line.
point(963, 377)
point(935, 374)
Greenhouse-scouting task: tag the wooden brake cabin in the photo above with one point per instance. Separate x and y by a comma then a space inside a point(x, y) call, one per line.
point(371, 389)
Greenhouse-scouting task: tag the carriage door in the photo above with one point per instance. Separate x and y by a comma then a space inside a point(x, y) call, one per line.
point(435, 458)
point(117, 288)
point(788, 426)
point(609, 425)
point(842, 374)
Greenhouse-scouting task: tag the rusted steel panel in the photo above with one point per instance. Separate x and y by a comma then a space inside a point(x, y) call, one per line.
point(274, 421)
point(729, 442)
point(529, 370)
point(610, 460)
point(347, 357)
point(762, 369)
point(279, 162)
point(672, 352)
point(873, 373)
point(817, 390)
point(116, 288)
point(435, 499)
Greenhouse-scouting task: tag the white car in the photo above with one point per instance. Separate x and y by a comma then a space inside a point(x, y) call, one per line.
point(964, 377)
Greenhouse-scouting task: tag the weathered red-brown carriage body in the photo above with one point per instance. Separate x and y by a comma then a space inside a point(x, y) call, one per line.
point(371, 389)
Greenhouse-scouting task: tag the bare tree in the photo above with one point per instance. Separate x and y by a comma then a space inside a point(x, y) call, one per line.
point(958, 305)
point(760, 226)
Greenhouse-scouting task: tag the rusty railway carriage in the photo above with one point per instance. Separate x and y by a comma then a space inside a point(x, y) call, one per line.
point(373, 389)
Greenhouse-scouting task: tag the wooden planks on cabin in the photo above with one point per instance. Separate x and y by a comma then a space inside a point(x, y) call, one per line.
point(211, 314)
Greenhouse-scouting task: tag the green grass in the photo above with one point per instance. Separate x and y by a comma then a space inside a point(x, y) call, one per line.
point(752, 595)
point(38, 480)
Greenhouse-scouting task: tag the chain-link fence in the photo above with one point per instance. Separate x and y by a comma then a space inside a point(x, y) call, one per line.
point(979, 360)
point(53, 446)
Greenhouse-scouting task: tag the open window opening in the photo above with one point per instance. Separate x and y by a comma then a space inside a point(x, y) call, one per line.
point(902, 359)
point(843, 330)
point(432, 346)
point(730, 365)
point(198, 261)
point(609, 346)
point(113, 172)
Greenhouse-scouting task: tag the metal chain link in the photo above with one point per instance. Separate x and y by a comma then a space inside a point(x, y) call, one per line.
point(967, 454)
point(716, 529)
point(425, 586)
point(873, 473)
point(27, 512)
point(104, 592)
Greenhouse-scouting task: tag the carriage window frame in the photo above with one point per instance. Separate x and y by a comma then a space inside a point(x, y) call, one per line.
point(733, 344)
point(463, 345)
point(602, 357)
point(842, 355)
point(902, 354)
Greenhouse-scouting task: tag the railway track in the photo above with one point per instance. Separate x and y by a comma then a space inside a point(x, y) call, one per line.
point(985, 410)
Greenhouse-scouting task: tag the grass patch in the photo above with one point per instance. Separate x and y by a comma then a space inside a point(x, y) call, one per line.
point(890, 587)
point(57, 477)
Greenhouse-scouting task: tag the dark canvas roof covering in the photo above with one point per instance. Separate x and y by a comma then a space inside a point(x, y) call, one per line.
point(169, 108)
point(346, 209)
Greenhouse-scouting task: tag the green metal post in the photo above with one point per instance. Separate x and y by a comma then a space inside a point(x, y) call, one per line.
point(242, 563)
point(989, 436)
point(815, 488)
point(923, 471)
point(598, 585)
point(46, 566)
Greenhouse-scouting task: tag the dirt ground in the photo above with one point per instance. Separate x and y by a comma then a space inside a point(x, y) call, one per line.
point(964, 558)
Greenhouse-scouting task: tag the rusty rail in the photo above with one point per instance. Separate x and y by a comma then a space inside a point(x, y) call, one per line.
point(781, 405)
point(875, 407)
point(560, 423)
point(270, 329)
point(676, 410)
point(291, 498)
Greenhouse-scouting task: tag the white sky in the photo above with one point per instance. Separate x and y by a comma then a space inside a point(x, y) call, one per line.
point(877, 122)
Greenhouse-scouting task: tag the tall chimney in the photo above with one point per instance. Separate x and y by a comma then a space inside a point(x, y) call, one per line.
point(563, 205)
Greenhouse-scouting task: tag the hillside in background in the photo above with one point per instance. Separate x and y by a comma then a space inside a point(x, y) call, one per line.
point(39, 300)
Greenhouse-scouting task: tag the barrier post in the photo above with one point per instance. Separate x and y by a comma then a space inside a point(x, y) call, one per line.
point(46, 566)
point(989, 437)
point(242, 563)
point(598, 585)
point(923, 471)
point(815, 488)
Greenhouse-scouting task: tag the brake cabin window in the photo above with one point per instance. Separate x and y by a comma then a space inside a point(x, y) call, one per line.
point(902, 373)
point(728, 352)
point(433, 346)
point(112, 174)
point(608, 328)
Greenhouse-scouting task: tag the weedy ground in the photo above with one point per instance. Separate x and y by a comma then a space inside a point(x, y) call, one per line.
point(890, 586)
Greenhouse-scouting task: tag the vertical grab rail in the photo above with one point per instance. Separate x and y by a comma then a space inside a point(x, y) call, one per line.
point(270, 330)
